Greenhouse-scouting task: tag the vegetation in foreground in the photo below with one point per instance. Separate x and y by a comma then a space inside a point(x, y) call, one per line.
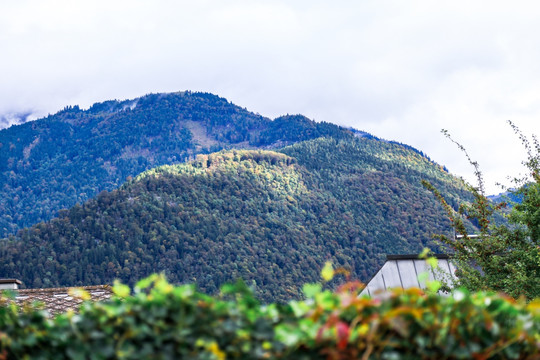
point(161, 321)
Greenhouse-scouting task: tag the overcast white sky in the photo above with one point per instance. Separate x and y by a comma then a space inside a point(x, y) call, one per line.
point(401, 70)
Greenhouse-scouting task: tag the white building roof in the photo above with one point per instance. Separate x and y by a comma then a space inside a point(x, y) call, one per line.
point(401, 271)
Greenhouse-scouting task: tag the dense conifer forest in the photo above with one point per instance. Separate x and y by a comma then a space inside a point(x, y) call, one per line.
point(271, 218)
point(66, 158)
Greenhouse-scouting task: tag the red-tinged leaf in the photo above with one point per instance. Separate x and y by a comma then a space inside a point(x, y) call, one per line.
point(351, 286)
point(343, 332)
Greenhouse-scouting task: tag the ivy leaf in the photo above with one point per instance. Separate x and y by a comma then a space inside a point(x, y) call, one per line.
point(299, 308)
point(310, 290)
point(432, 261)
point(120, 289)
point(434, 286)
point(146, 282)
point(327, 271)
point(424, 254)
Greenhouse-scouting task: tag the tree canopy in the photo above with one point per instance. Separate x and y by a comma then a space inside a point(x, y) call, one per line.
point(502, 257)
point(71, 156)
point(271, 218)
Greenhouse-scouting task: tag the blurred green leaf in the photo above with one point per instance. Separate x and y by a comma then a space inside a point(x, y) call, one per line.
point(327, 271)
point(310, 290)
point(120, 289)
point(146, 282)
point(432, 262)
point(433, 286)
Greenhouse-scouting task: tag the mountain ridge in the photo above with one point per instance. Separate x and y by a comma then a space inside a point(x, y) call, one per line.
point(68, 157)
point(194, 186)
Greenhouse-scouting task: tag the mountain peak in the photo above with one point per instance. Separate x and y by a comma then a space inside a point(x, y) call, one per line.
point(71, 156)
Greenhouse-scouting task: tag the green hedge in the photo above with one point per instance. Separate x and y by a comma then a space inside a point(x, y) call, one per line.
point(156, 320)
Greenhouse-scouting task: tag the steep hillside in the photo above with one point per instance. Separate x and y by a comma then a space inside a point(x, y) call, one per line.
point(69, 157)
point(271, 218)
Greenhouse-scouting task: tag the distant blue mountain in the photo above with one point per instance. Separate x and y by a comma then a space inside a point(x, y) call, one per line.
point(509, 197)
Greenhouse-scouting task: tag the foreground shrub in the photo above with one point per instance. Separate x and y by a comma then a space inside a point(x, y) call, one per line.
point(412, 325)
point(160, 321)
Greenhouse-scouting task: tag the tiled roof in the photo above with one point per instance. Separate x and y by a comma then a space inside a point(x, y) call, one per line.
point(59, 300)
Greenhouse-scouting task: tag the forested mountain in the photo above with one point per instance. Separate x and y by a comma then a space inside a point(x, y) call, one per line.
point(509, 197)
point(69, 157)
point(271, 218)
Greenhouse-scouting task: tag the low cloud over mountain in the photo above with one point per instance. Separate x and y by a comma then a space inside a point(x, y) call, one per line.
point(15, 118)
